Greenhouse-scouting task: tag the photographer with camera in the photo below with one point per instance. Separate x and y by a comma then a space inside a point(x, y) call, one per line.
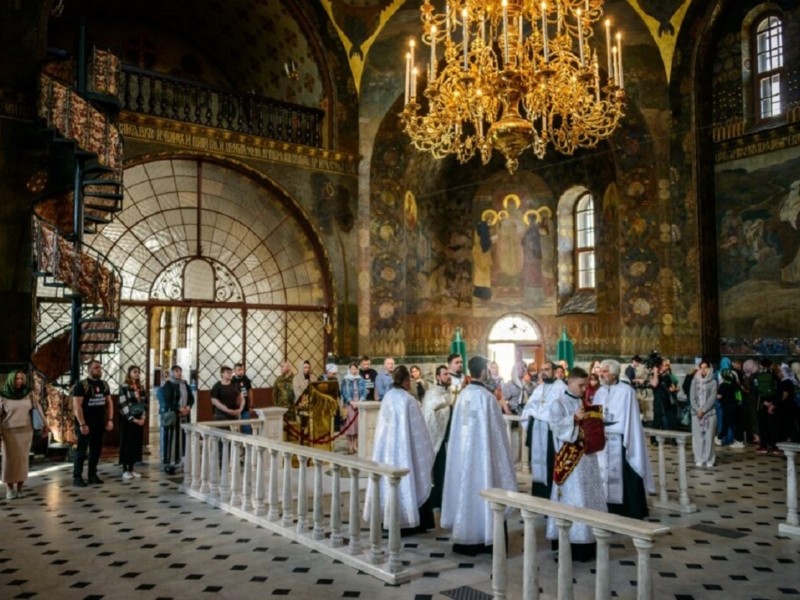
point(660, 381)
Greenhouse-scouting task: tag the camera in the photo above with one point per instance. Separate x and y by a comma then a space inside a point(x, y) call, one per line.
point(653, 360)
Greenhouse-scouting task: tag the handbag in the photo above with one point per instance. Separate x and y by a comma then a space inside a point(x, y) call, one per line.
point(169, 418)
point(36, 420)
point(137, 409)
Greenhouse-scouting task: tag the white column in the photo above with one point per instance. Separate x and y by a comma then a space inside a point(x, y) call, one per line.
point(273, 514)
point(319, 526)
point(302, 499)
point(288, 517)
point(188, 459)
point(258, 496)
point(375, 552)
point(204, 487)
point(602, 581)
point(499, 559)
point(565, 591)
point(236, 474)
point(394, 524)
point(662, 471)
point(247, 477)
point(214, 460)
point(194, 448)
point(355, 514)
point(530, 568)
point(645, 585)
point(225, 474)
point(683, 483)
point(336, 507)
point(524, 456)
point(791, 526)
point(273, 422)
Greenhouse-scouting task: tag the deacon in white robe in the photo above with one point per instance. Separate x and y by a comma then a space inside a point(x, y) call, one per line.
point(402, 440)
point(624, 462)
point(436, 409)
point(583, 487)
point(478, 457)
point(539, 439)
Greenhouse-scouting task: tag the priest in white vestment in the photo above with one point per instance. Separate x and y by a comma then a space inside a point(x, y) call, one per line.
point(624, 463)
point(583, 485)
point(478, 458)
point(436, 409)
point(538, 438)
point(402, 440)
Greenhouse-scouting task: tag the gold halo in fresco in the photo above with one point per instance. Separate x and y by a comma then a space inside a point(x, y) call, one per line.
point(514, 198)
point(490, 216)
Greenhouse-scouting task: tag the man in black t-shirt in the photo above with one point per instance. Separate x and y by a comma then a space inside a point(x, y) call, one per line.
point(244, 384)
point(369, 375)
point(94, 415)
point(226, 398)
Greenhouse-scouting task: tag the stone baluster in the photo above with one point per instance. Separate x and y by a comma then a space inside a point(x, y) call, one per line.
point(288, 516)
point(204, 487)
point(302, 498)
point(791, 526)
point(258, 497)
point(395, 564)
point(188, 459)
point(499, 559)
point(197, 465)
point(272, 498)
point(225, 475)
point(565, 590)
point(355, 514)
point(602, 581)
point(662, 470)
point(530, 568)
point(375, 552)
point(683, 482)
point(336, 507)
point(214, 461)
point(525, 459)
point(644, 589)
point(247, 477)
point(236, 474)
point(319, 525)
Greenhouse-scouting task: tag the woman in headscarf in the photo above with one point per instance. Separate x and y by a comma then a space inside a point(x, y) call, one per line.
point(16, 403)
point(302, 379)
point(703, 396)
point(132, 413)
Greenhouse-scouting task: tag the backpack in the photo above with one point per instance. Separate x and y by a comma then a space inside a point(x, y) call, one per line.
point(765, 385)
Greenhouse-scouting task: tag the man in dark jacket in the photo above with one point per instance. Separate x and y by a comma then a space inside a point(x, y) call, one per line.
point(175, 401)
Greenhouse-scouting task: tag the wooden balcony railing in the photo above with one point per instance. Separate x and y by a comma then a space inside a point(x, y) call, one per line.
point(160, 95)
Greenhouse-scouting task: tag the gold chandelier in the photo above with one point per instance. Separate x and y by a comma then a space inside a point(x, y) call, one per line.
point(516, 73)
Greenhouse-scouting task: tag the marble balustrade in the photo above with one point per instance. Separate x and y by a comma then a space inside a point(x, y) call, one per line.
point(604, 525)
point(683, 504)
point(516, 437)
point(264, 480)
point(791, 526)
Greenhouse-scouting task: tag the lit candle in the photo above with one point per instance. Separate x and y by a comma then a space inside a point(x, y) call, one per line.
point(613, 75)
point(408, 75)
point(544, 31)
point(413, 84)
point(433, 52)
point(619, 60)
point(465, 34)
point(483, 29)
point(587, 6)
point(505, 27)
point(447, 21)
point(519, 40)
point(608, 48)
point(580, 35)
point(596, 77)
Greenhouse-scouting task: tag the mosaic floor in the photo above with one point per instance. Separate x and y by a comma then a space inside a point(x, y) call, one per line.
point(144, 540)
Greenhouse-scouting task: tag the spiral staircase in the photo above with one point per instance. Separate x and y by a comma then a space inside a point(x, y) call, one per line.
point(77, 108)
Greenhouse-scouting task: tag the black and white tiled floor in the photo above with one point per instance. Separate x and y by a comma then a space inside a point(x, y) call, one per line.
point(145, 540)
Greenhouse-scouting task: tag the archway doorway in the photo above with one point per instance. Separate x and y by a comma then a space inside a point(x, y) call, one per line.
point(514, 338)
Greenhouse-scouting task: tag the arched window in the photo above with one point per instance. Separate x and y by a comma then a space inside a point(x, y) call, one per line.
point(769, 80)
point(584, 242)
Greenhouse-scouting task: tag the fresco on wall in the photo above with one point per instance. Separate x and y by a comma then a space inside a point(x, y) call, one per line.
point(758, 245)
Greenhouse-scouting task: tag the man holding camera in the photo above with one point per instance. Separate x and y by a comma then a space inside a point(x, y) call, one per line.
point(664, 413)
